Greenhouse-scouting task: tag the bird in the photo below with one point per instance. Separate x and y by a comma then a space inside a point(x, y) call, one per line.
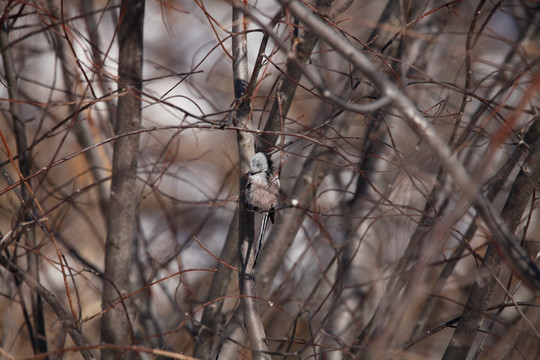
point(263, 186)
point(262, 191)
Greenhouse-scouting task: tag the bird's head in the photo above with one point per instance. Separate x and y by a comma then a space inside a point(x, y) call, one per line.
point(259, 163)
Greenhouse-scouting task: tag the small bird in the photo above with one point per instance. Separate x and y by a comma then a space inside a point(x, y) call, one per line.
point(262, 191)
point(263, 187)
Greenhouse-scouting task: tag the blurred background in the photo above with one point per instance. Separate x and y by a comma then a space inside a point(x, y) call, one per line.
point(377, 255)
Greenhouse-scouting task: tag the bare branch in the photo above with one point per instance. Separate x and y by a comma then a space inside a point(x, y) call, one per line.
point(380, 232)
point(27, 200)
point(115, 328)
point(212, 318)
point(485, 282)
point(288, 82)
point(502, 236)
point(62, 315)
point(246, 231)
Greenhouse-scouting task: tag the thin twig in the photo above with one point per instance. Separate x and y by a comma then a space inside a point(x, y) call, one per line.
point(65, 319)
point(417, 122)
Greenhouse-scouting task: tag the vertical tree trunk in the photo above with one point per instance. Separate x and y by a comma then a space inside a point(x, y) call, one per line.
point(246, 230)
point(37, 332)
point(115, 328)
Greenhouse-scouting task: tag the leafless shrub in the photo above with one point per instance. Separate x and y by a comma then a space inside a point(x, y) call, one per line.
point(406, 136)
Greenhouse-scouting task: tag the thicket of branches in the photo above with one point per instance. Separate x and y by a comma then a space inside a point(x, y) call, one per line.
point(406, 135)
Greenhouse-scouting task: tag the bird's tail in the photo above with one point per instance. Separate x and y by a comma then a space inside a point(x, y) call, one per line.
point(261, 235)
